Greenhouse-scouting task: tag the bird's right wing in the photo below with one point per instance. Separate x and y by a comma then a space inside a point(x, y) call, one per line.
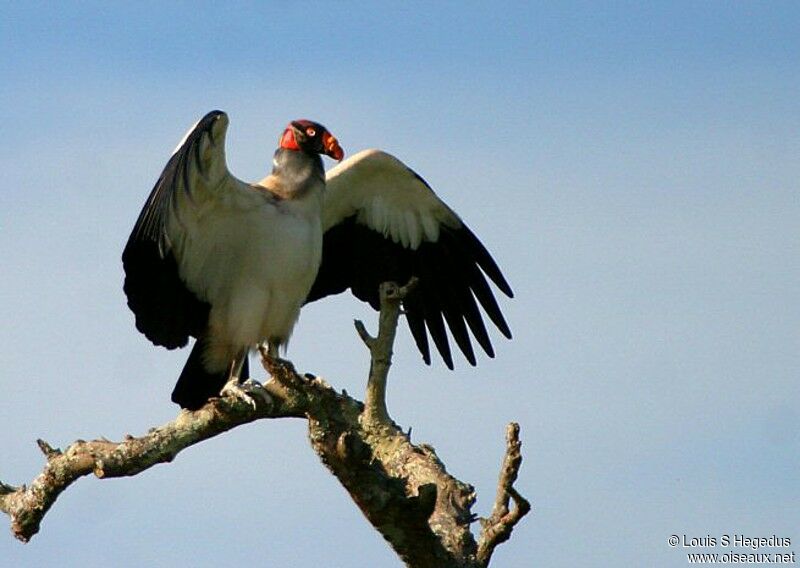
point(166, 311)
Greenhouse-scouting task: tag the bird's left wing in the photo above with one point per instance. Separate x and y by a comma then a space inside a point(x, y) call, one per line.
point(383, 222)
point(166, 311)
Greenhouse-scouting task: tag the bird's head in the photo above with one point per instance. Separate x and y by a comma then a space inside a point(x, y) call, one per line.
point(311, 138)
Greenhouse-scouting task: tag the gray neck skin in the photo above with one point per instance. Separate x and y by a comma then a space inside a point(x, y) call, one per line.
point(299, 172)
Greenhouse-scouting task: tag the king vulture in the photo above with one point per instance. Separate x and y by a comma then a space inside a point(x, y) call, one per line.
point(232, 263)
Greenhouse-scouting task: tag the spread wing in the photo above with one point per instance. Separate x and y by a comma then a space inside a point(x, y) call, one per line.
point(166, 311)
point(383, 222)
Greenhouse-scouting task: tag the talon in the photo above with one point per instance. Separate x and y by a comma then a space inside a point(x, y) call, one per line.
point(246, 391)
point(255, 388)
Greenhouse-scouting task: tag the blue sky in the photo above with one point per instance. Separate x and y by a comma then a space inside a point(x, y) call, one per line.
point(634, 170)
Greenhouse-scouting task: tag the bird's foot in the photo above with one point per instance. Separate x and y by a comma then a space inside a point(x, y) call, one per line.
point(247, 392)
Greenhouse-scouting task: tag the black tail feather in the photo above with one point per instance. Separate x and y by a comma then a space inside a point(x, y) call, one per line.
point(196, 385)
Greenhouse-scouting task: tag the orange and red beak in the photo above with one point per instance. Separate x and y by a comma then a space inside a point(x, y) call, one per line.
point(331, 146)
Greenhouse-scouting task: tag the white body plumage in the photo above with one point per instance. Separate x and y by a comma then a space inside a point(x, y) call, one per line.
point(253, 258)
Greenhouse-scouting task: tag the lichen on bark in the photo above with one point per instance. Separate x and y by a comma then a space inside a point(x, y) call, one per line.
point(403, 489)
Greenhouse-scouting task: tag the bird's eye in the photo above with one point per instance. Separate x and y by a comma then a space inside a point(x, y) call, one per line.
point(311, 132)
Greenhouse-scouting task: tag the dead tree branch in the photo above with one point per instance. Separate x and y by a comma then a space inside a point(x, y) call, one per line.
point(404, 490)
point(380, 349)
point(28, 505)
point(498, 527)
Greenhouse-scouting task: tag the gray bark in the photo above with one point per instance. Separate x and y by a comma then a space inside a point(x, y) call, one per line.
point(403, 489)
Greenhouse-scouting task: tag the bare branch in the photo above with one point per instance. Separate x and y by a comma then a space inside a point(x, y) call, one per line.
point(47, 450)
point(28, 505)
point(364, 334)
point(404, 490)
point(498, 527)
point(376, 414)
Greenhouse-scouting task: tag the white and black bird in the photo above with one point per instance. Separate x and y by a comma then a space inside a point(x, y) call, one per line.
point(232, 263)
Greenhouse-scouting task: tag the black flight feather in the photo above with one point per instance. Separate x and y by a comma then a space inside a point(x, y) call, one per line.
point(451, 273)
point(167, 313)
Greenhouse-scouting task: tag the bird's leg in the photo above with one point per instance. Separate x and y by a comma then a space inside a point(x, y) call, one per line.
point(269, 351)
point(237, 365)
point(272, 349)
point(245, 390)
